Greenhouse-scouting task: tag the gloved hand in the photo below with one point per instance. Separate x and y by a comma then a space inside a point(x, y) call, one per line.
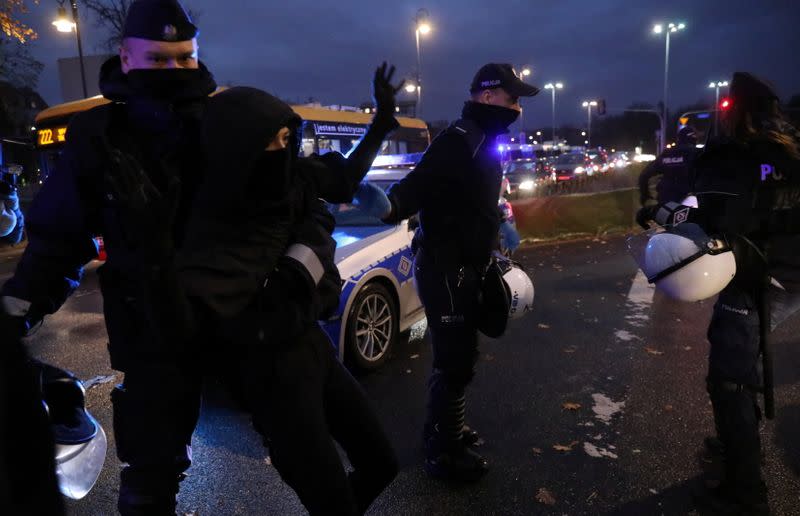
point(645, 215)
point(372, 200)
point(384, 93)
point(148, 215)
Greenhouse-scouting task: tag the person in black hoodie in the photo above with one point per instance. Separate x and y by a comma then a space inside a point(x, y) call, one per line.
point(454, 189)
point(748, 188)
point(253, 274)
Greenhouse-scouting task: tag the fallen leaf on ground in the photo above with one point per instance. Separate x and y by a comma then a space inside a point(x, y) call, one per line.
point(488, 357)
point(414, 356)
point(537, 451)
point(561, 447)
point(669, 408)
point(570, 406)
point(544, 326)
point(546, 497)
point(98, 380)
point(268, 461)
point(408, 371)
point(687, 348)
point(571, 349)
point(654, 351)
point(592, 496)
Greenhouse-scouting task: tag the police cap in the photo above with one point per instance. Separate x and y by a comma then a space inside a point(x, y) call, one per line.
point(159, 20)
point(502, 75)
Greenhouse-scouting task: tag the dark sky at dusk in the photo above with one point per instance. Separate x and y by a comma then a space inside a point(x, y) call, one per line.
point(599, 49)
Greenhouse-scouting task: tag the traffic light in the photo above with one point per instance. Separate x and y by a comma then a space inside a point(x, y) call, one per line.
point(725, 104)
point(601, 107)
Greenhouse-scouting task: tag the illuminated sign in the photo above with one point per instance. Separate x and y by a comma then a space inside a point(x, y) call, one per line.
point(52, 136)
point(328, 129)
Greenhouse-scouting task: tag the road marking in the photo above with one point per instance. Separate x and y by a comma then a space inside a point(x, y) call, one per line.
point(641, 292)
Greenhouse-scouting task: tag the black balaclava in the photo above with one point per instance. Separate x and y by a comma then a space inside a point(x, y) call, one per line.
point(494, 120)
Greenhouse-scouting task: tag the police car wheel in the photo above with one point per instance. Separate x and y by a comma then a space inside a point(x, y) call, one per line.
point(372, 326)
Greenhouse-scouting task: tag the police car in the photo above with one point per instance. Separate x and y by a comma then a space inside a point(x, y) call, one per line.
point(379, 299)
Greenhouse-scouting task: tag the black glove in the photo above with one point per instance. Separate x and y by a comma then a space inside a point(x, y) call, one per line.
point(384, 93)
point(147, 214)
point(645, 215)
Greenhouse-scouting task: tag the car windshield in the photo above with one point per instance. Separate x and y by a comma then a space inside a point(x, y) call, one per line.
point(516, 167)
point(570, 159)
point(349, 215)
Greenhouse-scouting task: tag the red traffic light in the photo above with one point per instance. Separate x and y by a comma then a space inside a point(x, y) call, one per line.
point(725, 104)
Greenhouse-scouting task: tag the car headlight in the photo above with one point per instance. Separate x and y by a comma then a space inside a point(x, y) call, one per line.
point(580, 170)
point(527, 185)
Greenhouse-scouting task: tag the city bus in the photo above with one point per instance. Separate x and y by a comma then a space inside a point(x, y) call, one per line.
point(324, 130)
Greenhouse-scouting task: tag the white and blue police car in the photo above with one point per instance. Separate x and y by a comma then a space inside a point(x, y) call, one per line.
point(379, 299)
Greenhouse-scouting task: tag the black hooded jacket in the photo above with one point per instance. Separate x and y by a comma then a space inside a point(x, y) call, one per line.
point(74, 205)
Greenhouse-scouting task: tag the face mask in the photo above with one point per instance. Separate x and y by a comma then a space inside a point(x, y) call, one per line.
point(494, 119)
point(166, 85)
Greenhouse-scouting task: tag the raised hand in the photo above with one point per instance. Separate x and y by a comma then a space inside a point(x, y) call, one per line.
point(384, 92)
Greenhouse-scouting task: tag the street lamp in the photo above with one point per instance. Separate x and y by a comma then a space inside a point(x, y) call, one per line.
point(422, 27)
point(553, 87)
point(63, 24)
point(669, 29)
point(717, 86)
point(524, 72)
point(589, 104)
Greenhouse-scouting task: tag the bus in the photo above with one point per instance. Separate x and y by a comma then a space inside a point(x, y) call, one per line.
point(324, 130)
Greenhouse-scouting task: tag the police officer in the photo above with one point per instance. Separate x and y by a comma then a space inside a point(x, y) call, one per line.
point(748, 189)
point(454, 189)
point(667, 179)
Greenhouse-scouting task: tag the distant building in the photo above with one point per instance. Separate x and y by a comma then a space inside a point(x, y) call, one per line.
point(69, 74)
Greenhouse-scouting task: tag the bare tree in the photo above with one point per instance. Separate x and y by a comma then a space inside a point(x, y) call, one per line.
point(17, 66)
point(10, 24)
point(110, 16)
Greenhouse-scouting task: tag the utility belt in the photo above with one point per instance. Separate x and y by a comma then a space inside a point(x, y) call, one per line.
point(448, 254)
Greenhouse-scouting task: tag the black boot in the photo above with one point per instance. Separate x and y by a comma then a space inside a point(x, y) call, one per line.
point(471, 437)
point(446, 455)
point(147, 492)
point(725, 500)
point(742, 490)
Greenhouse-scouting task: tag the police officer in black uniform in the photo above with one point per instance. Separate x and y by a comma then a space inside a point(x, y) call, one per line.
point(454, 189)
point(748, 189)
point(667, 179)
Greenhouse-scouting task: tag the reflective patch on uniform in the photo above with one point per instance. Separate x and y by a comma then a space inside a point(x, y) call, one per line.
point(672, 161)
point(405, 266)
point(740, 311)
point(681, 216)
point(452, 319)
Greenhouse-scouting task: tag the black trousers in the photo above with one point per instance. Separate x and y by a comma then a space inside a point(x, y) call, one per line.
point(302, 400)
point(450, 295)
point(733, 381)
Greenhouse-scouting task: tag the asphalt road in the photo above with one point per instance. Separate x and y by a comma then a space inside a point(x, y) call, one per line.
point(593, 404)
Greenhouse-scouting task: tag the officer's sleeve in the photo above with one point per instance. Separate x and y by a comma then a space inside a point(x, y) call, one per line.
point(439, 167)
point(60, 241)
point(647, 180)
point(337, 179)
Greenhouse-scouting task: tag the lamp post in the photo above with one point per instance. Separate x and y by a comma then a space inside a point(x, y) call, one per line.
point(553, 87)
point(589, 104)
point(525, 72)
point(63, 24)
point(717, 86)
point(669, 29)
point(422, 27)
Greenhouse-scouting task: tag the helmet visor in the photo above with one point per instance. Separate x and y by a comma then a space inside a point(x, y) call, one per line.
point(78, 465)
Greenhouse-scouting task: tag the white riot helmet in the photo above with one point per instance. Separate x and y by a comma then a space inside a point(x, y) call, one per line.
point(687, 264)
point(520, 289)
point(80, 442)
